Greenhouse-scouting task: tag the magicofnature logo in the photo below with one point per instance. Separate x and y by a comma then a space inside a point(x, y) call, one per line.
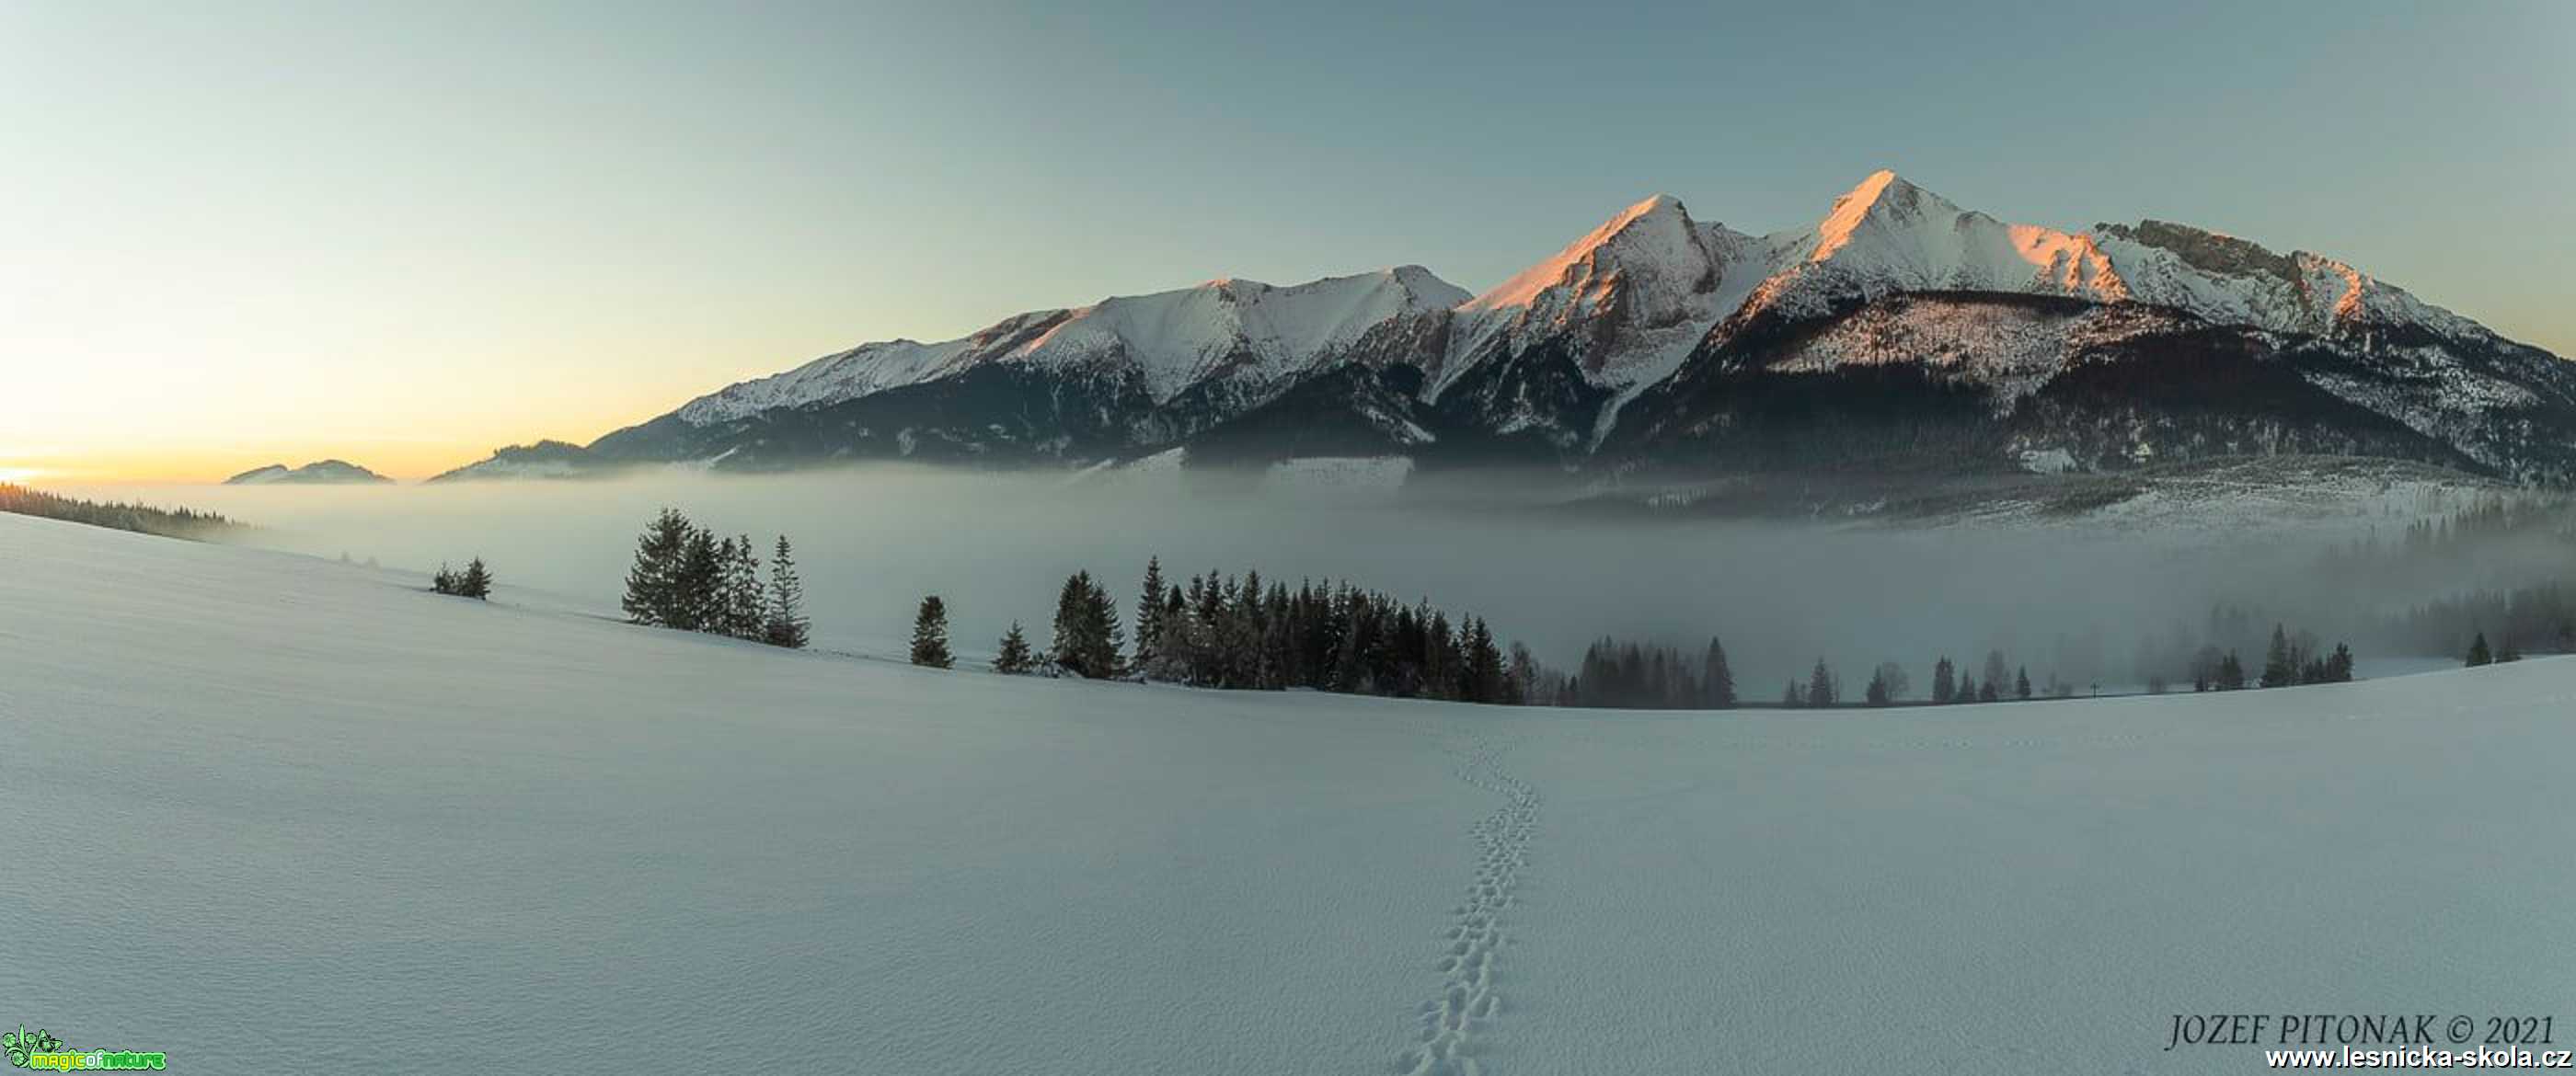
point(41, 1050)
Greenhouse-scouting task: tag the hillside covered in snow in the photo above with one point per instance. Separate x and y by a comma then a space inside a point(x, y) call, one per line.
point(270, 802)
point(1898, 328)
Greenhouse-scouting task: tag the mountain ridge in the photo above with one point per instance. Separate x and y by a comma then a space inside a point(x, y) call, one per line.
point(1633, 345)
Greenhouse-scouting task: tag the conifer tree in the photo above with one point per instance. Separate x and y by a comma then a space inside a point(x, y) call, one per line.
point(444, 582)
point(2478, 653)
point(1791, 698)
point(1967, 689)
point(652, 585)
point(1945, 680)
point(1149, 614)
point(1013, 656)
point(786, 625)
point(2021, 683)
point(741, 609)
point(476, 582)
point(1876, 693)
point(1716, 681)
point(1996, 676)
point(1086, 629)
point(1990, 690)
point(695, 588)
point(2509, 651)
point(1820, 685)
point(930, 634)
point(1484, 681)
point(2339, 666)
point(2280, 669)
point(2231, 673)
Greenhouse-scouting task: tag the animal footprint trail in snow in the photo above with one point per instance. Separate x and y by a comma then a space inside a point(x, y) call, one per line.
point(1467, 1004)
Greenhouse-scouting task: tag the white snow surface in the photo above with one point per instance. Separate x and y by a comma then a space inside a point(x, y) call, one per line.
point(281, 802)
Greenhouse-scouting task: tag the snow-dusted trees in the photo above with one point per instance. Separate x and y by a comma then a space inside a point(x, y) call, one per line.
point(1945, 680)
point(683, 577)
point(930, 634)
point(741, 608)
point(474, 582)
point(2478, 652)
point(1822, 689)
point(786, 625)
point(1013, 656)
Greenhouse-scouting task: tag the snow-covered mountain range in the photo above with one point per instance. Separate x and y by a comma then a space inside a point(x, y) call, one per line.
point(1897, 331)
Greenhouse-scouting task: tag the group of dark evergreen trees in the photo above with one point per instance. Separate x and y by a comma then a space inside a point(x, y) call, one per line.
point(2480, 655)
point(1233, 631)
point(2289, 660)
point(137, 517)
point(685, 577)
point(474, 582)
point(1650, 677)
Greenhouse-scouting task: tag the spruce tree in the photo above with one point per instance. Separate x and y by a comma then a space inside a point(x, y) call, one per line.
point(1791, 698)
point(1716, 681)
point(1149, 614)
point(2231, 673)
point(1945, 680)
point(2021, 683)
point(786, 625)
point(1996, 675)
point(476, 582)
point(1484, 680)
point(695, 586)
point(444, 582)
point(1820, 685)
point(2478, 653)
point(741, 610)
point(1990, 690)
point(930, 634)
point(2339, 667)
point(2280, 669)
point(1013, 656)
point(1967, 689)
point(652, 585)
point(1876, 693)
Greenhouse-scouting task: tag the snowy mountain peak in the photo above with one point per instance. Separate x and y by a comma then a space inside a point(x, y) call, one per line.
point(1655, 236)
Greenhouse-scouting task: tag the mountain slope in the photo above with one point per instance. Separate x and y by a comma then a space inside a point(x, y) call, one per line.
point(371, 807)
point(1898, 329)
point(319, 472)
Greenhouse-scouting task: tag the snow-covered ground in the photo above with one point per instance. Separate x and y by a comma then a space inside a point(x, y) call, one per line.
point(268, 811)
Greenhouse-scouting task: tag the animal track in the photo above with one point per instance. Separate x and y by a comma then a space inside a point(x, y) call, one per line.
point(1467, 1004)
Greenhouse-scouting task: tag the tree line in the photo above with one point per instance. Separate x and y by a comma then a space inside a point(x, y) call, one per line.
point(1242, 631)
point(684, 577)
point(125, 516)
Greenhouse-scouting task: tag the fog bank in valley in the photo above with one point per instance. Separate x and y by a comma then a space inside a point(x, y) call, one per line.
point(997, 547)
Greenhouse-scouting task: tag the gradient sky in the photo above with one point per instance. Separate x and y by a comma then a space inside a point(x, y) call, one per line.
point(404, 233)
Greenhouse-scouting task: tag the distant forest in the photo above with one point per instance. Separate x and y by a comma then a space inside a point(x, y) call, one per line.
point(137, 517)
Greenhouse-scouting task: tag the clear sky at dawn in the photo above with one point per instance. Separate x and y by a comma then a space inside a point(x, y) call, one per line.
point(402, 234)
